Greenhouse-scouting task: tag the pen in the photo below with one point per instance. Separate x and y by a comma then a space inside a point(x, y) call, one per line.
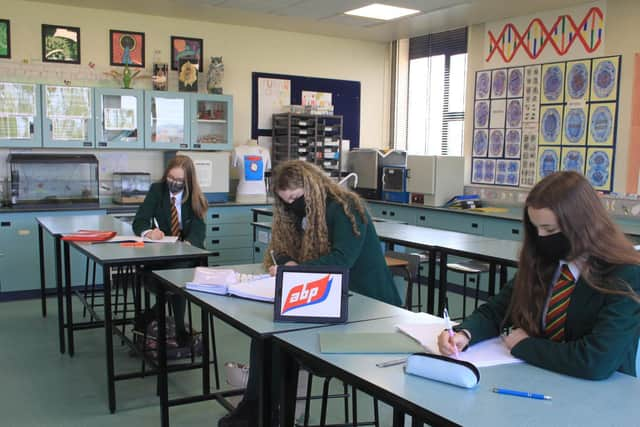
point(521, 393)
point(273, 257)
point(391, 363)
point(155, 222)
point(447, 324)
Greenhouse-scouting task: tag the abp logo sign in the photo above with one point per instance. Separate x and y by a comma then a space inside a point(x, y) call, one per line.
point(307, 293)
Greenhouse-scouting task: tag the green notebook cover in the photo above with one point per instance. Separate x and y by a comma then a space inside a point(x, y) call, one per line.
point(383, 342)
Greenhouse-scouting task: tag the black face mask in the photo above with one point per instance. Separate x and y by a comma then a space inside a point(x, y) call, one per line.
point(175, 186)
point(553, 247)
point(298, 207)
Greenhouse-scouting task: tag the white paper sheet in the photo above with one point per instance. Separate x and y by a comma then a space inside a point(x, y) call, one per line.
point(273, 96)
point(491, 352)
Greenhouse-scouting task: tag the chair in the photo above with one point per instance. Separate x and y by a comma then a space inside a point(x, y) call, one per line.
point(470, 271)
point(408, 264)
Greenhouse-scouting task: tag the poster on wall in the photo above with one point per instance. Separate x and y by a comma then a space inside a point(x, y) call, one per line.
point(562, 34)
point(565, 120)
point(274, 95)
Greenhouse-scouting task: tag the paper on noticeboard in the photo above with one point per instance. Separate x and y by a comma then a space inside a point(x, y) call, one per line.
point(273, 96)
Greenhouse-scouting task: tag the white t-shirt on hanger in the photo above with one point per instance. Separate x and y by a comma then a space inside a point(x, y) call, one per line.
point(252, 162)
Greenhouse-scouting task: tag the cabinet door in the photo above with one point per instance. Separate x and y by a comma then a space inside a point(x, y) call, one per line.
point(166, 120)
point(20, 115)
point(463, 223)
point(211, 122)
point(503, 229)
point(68, 118)
point(119, 118)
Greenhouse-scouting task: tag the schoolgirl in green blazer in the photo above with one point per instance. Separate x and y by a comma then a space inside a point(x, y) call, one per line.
point(584, 322)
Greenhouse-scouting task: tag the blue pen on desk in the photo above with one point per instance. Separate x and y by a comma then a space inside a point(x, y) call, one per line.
point(521, 393)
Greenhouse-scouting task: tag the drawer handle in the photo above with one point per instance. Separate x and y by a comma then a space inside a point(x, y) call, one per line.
point(215, 216)
point(257, 249)
point(215, 228)
point(5, 224)
point(515, 231)
point(423, 218)
point(215, 254)
point(384, 212)
point(392, 213)
point(474, 225)
point(215, 242)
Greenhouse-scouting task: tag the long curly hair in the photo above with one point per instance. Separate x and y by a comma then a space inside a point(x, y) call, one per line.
point(287, 236)
point(596, 241)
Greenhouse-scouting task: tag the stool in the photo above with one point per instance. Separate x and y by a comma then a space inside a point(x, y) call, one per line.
point(469, 268)
point(409, 264)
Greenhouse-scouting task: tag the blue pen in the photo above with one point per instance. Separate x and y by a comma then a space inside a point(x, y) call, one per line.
point(521, 393)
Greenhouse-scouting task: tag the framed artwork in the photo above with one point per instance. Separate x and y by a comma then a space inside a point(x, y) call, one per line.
point(188, 75)
point(126, 48)
point(60, 44)
point(182, 47)
point(5, 39)
point(160, 76)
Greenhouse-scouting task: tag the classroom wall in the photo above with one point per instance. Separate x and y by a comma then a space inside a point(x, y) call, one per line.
point(622, 18)
point(244, 50)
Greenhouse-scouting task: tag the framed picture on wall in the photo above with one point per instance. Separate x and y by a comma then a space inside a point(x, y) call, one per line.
point(60, 44)
point(126, 48)
point(182, 47)
point(5, 39)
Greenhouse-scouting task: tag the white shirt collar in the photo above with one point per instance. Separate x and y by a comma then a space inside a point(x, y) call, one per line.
point(574, 267)
point(178, 197)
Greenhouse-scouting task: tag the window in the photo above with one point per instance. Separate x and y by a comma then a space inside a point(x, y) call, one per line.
point(434, 122)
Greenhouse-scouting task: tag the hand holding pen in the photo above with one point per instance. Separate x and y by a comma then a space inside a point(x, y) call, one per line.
point(447, 324)
point(155, 233)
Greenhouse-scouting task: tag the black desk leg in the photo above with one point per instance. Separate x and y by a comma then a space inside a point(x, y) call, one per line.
point(43, 296)
point(442, 288)
point(59, 294)
point(108, 334)
point(503, 275)
point(492, 279)
point(288, 367)
point(264, 380)
point(398, 418)
point(161, 299)
point(206, 375)
point(69, 299)
point(431, 282)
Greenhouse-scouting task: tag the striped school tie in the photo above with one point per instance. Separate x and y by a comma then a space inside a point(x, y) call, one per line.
point(175, 222)
point(557, 311)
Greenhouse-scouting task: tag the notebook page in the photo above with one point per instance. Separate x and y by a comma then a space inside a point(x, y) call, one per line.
point(261, 289)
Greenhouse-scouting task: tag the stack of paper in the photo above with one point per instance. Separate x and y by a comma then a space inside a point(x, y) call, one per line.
point(220, 281)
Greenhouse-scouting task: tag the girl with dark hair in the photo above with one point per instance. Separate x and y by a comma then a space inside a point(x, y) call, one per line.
point(318, 222)
point(175, 206)
point(573, 305)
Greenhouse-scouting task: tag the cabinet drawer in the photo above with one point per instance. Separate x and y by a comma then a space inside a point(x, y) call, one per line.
point(503, 229)
point(237, 230)
point(456, 222)
point(226, 255)
point(227, 242)
point(229, 214)
point(259, 250)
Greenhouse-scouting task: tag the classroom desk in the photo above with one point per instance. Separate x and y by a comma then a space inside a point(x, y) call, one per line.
point(110, 255)
point(253, 318)
point(57, 226)
point(576, 402)
point(443, 243)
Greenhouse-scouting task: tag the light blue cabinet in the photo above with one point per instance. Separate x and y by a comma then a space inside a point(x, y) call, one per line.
point(211, 122)
point(229, 235)
point(20, 115)
point(68, 120)
point(19, 269)
point(119, 118)
point(166, 120)
point(392, 212)
point(503, 229)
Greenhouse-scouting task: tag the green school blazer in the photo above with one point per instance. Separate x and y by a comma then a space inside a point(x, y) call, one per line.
point(368, 272)
point(601, 331)
point(157, 204)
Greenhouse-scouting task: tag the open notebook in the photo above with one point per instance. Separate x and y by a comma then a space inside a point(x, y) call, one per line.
point(221, 281)
point(486, 353)
point(133, 238)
